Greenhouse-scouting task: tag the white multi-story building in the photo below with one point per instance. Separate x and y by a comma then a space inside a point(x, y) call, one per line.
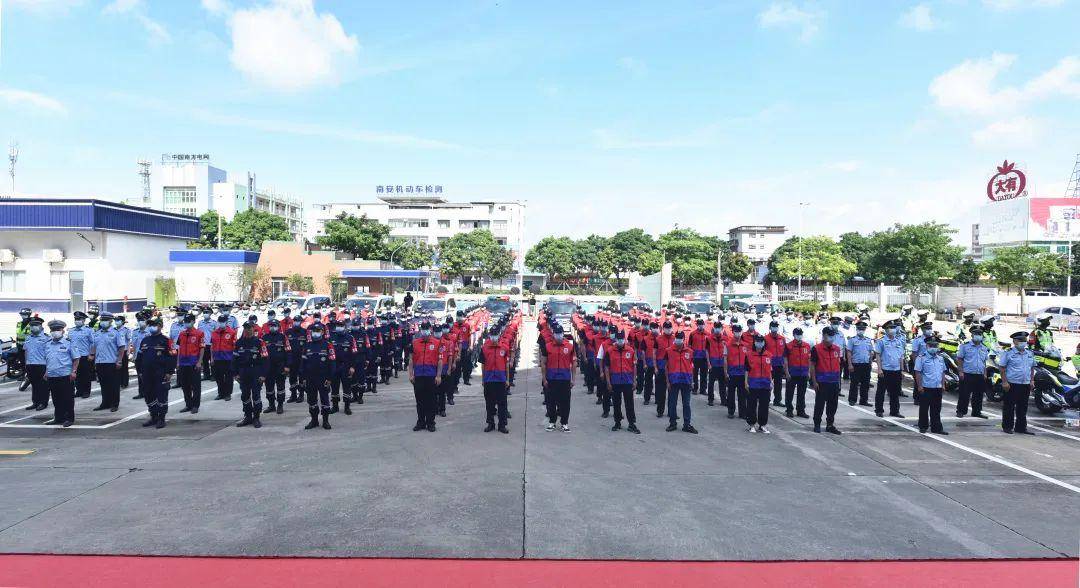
point(187, 184)
point(758, 242)
point(431, 219)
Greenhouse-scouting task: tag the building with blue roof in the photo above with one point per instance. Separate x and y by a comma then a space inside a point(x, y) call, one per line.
point(62, 255)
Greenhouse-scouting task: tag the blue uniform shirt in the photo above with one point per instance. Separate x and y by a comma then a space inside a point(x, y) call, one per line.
point(137, 335)
point(81, 340)
point(890, 353)
point(860, 347)
point(34, 346)
point(932, 368)
point(105, 346)
point(207, 326)
point(1017, 365)
point(125, 336)
point(972, 357)
point(174, 330)
point(60, 356)
point(918, 346)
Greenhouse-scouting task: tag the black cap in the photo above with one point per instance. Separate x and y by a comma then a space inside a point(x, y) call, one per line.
point(424, 325)
point(927, 325)
point(1019, 335)
point(796, 331)
point(976, 330)
point(317, 326)
point(273, 323)
point(223, 318)
point(680, 335)
point(758, 338)
point(701, 322)
point(828, 331)
point(78, 314)
point(860, 325)
point(774, 324)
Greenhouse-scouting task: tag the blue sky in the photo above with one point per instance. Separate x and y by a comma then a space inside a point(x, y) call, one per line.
point(602, 115)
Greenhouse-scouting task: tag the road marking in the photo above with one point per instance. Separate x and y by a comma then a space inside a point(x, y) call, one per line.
point(14, 425)
point(1037, 427)
point(16, 452)
point(973, 451)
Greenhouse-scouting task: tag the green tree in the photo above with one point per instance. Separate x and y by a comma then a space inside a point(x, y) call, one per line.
point(497, 263)
point(250, 228)
point(208, 231)
point(552, 255)
point(592, 255)
point(650, 262)
point(968, 272)
point(855, 247)
point(414, 255)
point(815, 258)
point(915, 256)
point(1024, 266)
point(299, 283)
point(475, 251)
point(736, 266)
point(627, 247)
point(361, 236)
point(692, 255)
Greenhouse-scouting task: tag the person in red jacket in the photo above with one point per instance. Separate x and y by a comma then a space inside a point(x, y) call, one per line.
point(620, 371)
point(697, 340)
point(222, 347)
point(716, 349)
point(558, 363)
point(775, 343)
point(495, 357)
point(664, 341)
point(680, 373)
point(735, 373)
point(797, 371)
point(758, 382)
point(825, 360)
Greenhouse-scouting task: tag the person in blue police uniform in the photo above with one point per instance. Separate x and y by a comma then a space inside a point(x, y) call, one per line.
point(972, 356)
point(1017, 365)
point(34, 355)
point(860, 350)
point(317, 364)
point(249, 365)
point(889, 352)
point(825, 359)
point(341, 382)
point(929, 374)
point(278, 349)
point(155, 363)
point(918, 347)
point(81, 337)
point(123, 375)
point(137, 335)
point(105, 349)
point(61, 370)
point(620, 373)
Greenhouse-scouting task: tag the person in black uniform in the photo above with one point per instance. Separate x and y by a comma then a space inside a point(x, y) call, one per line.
point(360, 359)
point(278, 350)
point(155, 364)
point(386, 355)
point(345, 368)
point(317, 364)
point(297, 336)
point(249, 365)
point(375, 342)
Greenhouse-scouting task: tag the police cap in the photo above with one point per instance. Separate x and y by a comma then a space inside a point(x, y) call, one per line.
point(316, 326)
point(976, 330)
point(223, 318)
point(106, 316)
point(57, 325)
point(773, 324)
point(1019, 336)
point(860, 325)
point(79, 315)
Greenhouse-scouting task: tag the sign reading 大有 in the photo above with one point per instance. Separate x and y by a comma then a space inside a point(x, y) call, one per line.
point(1007, 183)
point(407, 189)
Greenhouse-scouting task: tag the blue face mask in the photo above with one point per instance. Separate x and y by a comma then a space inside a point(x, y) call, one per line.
point(316, 335)
point(932, 350)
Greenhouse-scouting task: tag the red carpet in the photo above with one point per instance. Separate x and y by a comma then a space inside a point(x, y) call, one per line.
point(187, 572)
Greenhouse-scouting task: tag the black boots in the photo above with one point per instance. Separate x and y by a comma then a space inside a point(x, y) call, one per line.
point(326, 422)
point(348, 409)
point(314, 412)
point(247, 418)
point(281, 403)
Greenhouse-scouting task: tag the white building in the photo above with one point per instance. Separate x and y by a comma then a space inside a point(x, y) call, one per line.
point(58, 256)
point(187, 184)
point(431, 219)
point(758, 242)
point(212, 275)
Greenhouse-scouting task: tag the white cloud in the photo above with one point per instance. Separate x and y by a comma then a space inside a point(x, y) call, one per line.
point(634, 66)
point(847, 166)
point(44, 6)
point(1003, 5)
point(216, 7)
point(285, 45)
point(806, 19)
point(32, 101)
point(919, 18)
point(969, 88)
point(137, 10)
point(1018, 131)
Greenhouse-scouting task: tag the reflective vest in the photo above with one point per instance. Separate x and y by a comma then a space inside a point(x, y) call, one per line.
point(222, 344)
point(715, 347)
point(425, 356)
point(827, 363)
point(190, 346)
point(759, 372)
point(697, 342)
point(620, 362)
point(775, 345)
point(560, 360)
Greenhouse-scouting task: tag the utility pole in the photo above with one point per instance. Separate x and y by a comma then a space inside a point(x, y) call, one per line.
point(799, 242)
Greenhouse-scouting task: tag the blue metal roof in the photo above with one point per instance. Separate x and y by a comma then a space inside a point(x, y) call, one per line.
point(40, 214)
point(381, 273)
point(213, 256)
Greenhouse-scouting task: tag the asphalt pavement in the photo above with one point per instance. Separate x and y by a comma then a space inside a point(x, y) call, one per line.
point(371, 487)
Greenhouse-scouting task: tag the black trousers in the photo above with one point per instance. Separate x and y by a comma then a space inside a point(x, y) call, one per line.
point(859, 390)
point(971, 392)
point(757, 406)
point(224, 377)
point(623, 395)
point(588, 372)
point(888, 383)
point(495, 399)
point(154, 386)
point(736, 395)
point(250, 391)
point(275, 381)
point(340, 385)
point(318, 393)
point(930, 409)
point(442, 389)
point(1014, 408)
point(558, 401)
point(124, 372)
point(645, 382)
point(83, 376)
point(295, 385)
point(716, 376)
point(62, 390)
point(110, 384)
point(424, 393)
point(188, 378)
point(796, 389)
point(701, 374)
point(39, 385)
point(660, 381)
point(825, 399)
point(777, 384)
point(603, 394)
point(207, 367)
point(640, 382)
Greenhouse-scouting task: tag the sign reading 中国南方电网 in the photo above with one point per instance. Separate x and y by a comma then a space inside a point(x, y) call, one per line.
point(1007, 183)
point(407, 189)
point(184, 157)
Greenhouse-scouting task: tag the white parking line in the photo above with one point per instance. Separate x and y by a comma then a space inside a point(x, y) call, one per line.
point(971, 450)
point(1037, 427)
point(13, 425)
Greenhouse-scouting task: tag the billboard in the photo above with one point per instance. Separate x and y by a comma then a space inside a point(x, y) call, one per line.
point(1021, 220)
point(1007, 183)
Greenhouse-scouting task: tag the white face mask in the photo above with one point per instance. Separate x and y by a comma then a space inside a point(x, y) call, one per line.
point(152, 330)
point(142, 324)
point(80, 323)
point(316, 335)
point(798, 337)
point(56, 334)
point(275, 329)
point(106, 324)
point(1021, 345)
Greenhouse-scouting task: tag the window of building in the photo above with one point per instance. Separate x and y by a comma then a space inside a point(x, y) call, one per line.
point(469, 225)
point(499, 225)
point(277, 287)
point(444, 223)
point(12, 281)
point(58, 282)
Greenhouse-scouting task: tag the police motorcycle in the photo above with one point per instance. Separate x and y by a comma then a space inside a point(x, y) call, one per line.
point(951, 379)
point(11, 365)
point(1050, 386)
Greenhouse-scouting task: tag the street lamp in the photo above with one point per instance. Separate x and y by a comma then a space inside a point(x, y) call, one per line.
point(391, 262)
point(801, 206)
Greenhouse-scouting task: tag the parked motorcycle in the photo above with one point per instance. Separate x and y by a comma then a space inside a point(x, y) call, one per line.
point(11, 361)
point(1050, 387)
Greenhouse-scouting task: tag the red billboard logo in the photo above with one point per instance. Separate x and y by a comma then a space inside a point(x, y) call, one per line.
point(1007, 183)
